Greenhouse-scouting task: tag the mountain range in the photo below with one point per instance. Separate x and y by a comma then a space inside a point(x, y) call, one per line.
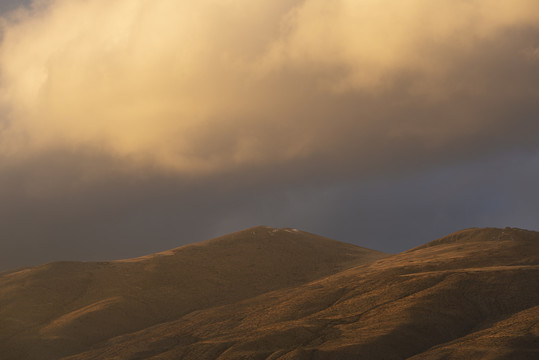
point(279, 294)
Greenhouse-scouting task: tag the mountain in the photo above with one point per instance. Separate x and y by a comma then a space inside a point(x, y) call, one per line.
point(284, 294)
point(67, 307)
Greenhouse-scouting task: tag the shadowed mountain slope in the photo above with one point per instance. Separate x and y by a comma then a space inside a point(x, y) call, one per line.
point(64, 308)
point(471, 295)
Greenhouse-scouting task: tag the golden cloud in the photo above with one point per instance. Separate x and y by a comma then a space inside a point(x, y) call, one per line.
point(198, 87)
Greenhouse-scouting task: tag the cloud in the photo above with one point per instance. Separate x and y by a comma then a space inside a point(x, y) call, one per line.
point(374, 41)
point(156, 123)
point(202, 88)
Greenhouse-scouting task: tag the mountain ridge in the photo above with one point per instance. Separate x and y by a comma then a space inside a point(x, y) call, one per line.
point(72, 305)
point(467, 295)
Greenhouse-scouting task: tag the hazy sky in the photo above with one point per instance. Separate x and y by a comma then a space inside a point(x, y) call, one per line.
point(134, 126)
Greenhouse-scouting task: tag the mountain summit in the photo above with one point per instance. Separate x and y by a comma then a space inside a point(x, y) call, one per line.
point(60, 308)
point(265, 293)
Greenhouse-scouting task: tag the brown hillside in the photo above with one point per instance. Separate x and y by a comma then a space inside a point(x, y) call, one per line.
point(64, 308)
point(471, 295)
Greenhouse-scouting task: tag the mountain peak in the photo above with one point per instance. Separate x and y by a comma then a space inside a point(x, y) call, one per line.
point(72, 301)
point(284, 293)
point(482, 235)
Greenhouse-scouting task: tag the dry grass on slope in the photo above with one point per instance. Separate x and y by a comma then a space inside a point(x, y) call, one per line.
point(62, 308)
point(470, 295)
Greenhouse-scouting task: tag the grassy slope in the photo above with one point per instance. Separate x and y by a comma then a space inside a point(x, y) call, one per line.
point(63, 308)
point(472, 294)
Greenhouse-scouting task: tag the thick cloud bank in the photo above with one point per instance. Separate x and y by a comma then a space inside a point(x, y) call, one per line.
point(206, 86)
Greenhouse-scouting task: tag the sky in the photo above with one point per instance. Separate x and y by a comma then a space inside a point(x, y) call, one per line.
point(133, 126)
